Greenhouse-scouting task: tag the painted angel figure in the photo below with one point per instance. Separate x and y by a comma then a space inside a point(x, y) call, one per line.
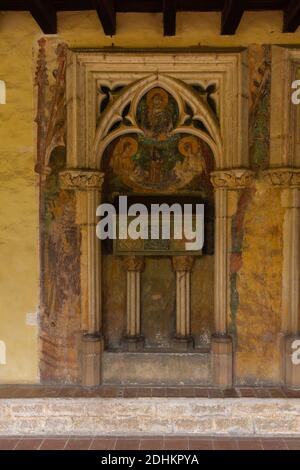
point(122, 162)
point(194, 162)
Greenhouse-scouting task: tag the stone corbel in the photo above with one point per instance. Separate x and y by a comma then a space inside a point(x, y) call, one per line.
point(134, 267)
point(87, 186)
point(182, 266)
point(226, 184)
point(288, 181)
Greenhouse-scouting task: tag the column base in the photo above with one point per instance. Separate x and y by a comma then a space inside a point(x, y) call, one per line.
point(183, 343)
point(222, 361)
point(92, 347)
point(134, 343)
point(292, 362)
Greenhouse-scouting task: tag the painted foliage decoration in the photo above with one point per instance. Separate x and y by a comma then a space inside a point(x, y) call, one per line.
point(159, 157)
point(259, 105)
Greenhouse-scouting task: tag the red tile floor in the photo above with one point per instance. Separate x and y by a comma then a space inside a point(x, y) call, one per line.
point(147, 443)
point(38, 391)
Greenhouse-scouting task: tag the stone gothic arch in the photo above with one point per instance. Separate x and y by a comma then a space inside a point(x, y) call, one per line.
point(132, 96)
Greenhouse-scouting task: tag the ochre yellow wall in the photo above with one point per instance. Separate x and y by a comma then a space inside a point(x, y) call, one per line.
point(18, 193)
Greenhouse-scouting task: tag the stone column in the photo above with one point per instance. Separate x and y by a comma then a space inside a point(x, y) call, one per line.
point(226, 185)
point(134, 266)
point(183, 266)
point(288, 180)
point(87, 186)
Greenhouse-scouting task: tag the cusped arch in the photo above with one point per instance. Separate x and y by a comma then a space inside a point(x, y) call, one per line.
point(132, 95)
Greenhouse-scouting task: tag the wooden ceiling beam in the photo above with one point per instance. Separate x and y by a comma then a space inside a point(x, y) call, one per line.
point(169, 17)
point(44, 14)
point(231, 16)
point(291, 16)
point(107, 15)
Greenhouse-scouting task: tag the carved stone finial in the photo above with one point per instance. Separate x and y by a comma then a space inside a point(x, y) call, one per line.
point(83, 180)
point(232, 179)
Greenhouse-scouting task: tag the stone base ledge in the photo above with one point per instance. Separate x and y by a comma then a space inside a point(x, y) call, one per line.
point(155, 416)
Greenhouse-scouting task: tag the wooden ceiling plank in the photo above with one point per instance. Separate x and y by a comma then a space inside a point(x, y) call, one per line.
point(231, 16)
point(44, 14)
point(107, 15)
point(169, 17)
point(291, 17)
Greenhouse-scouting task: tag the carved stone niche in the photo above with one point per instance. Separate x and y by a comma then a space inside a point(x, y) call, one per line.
point(103, 93)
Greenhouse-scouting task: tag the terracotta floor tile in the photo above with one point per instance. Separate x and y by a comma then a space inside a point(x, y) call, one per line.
point(172, 392)
point(277, 393)
point(130, 393)
point(200, 444)
point(291, 393)
point(127, 444)
point(79, 443)
point(29, 443)
point(230, 393)
point(111, 392)
point(144, 392)
point(187, 392)
point(53, 443)
point(293, 444)
point(7, 443)
point(152, 444)
point(225, 444)
point(159, 392)
point(176, 443)
point(215, 393)
point(201, 393)
point(262, 393)
point(274, 444)
point(247, 392)
point(250, 444)
point(100, 443)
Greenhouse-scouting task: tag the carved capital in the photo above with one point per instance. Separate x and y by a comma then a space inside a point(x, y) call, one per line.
point(283, 177)
point(134, 263)
point(183, 263)
point(83, 180)
point(232, 179)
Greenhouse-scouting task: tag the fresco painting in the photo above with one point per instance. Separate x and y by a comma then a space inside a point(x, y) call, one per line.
point(159, 158)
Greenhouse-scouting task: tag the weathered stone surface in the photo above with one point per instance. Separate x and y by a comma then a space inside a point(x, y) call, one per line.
point(156, 369)
point(80, 416)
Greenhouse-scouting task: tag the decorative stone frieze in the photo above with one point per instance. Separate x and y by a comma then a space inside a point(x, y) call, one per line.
point(82, 180)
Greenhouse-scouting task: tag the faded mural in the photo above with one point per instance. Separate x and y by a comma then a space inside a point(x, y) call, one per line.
point(161, 161)
point(158, 159)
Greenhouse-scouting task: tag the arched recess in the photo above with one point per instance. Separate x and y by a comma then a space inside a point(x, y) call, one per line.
point(87, 140)
point(132, 94)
